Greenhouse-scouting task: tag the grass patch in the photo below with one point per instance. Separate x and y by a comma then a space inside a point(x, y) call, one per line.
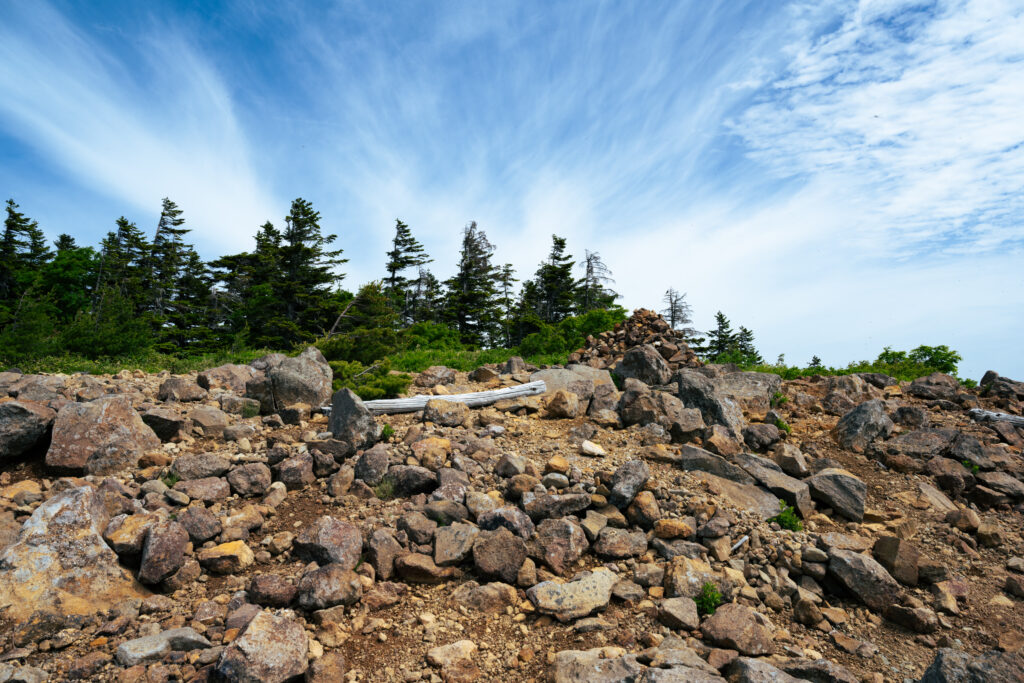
point(778, 399)
point(708, 599)
point(171, 479)
point(787, 518)
point(971, 466)
point(387, 432)
point(250, 410)
point(783, 425)
point(465, 360)
point(385, 490)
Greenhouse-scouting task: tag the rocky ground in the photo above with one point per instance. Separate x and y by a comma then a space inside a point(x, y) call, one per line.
point(220, 527)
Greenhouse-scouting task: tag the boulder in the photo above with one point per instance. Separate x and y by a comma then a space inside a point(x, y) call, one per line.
point(739, 628)
point(499, 554)
point(156, 647)
point(372, 465)
point(328, 586)
point(771, 476)
point(936, 386)
point(862, 425)
point(446, 413)
point(751, 391)
point(164, 551)
point(99, 437)
point(955, 666)
point(330, 540)
point(200, 465)
point(697, 391)
point(865, 578)
point(24, 426)
point(306, 378)
point(840, 490)
point(558, 543)
point(227, 377)
point(180, 389)
point(434, 375)
point(568, 601)
point(167, 424)
point(645, 364)
point(351, 422)
point(627, 481)
point(272, 649)
point(60, 562)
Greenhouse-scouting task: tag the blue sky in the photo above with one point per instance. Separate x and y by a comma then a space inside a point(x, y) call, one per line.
point(836, 176)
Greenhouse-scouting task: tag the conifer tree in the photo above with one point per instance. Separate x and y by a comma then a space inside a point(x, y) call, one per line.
point(746, 348)
point(556, 287)
point(506, 301)
point(65, 242)
point(406, 252)
point(426, 298)
point(470, 300)
point(23, 251)
point(166, 258)
point(722, 339)
point(307, 267)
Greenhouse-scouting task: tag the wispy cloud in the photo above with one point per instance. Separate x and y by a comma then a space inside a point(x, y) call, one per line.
point(835, 175)
point(134, 118)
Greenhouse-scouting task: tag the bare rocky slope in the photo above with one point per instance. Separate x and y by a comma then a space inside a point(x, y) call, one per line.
point(220, 526)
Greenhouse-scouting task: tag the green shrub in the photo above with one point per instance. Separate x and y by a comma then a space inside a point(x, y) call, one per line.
point(778, 398)
point(171, 479)
point(387, 432)
point(250, 410)
point(708, 599)
point(787, 518)
point(781, 424)
point(385, 490)
point(971, 466)
point(369, 383)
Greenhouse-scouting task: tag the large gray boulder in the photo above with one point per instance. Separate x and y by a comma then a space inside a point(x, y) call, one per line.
point(227, 377)
point(99, 437)
point(862, 425)
point(840, 490)
point(645, 364)
point(24, 425)
point(752, 391)
point(697, 391)
point(864, 577)
point(306, 378)
point(954, 666)
point(351, 422)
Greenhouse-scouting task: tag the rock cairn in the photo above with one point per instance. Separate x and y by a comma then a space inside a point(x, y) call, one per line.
point(643, 327)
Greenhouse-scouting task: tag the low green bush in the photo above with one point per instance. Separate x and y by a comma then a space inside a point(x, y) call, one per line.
point(708, 599)
point(787, 518)
point(369, 383)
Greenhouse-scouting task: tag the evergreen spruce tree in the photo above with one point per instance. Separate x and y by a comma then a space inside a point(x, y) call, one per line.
point(23, 251)
point(309, 283)
point(65, 242)
point(506, 302)
point(556, 287)
point(722, 339)
point(471, 293)
point(124, 266)
point(746, 348)
point(166, 259)
point(191, 321)
point(815, 363)
point(426, 298)
point(406, 252)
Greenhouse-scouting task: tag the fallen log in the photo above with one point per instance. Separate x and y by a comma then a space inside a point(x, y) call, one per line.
point(991, 416)
point(387, 406)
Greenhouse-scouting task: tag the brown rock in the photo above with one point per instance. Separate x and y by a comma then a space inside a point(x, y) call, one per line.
point(739, 628)
point(100, 437)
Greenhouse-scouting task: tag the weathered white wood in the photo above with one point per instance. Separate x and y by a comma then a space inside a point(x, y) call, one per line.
point(473, 400)
point(990, 416)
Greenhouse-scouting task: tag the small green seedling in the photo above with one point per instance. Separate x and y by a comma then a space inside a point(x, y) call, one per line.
point(971, 466)
point(781, 424)
point(171, 479)
point(778, 398)
point(387, 432)
point(787, 518)
point(708, 599)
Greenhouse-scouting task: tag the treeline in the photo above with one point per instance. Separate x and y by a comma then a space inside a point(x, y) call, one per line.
point(135, 293)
